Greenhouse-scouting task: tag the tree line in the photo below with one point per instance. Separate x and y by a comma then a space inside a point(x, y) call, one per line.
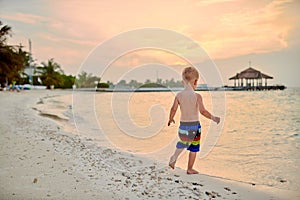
point(85, 80)
point(149, 84)
point(14, 61)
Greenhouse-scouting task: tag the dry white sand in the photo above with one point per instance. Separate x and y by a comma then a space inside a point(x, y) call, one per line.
point(38, 160)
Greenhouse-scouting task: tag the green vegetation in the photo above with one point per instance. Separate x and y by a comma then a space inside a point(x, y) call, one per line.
point(67, 81)
point(149, 84)
point(50, 73)
point(14, 61)
point(85, 80)
point(103, 85)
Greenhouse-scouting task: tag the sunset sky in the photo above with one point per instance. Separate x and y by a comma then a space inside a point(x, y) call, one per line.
point(232, 32)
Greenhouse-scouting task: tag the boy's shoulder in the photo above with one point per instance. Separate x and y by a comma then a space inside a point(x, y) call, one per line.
point(183, 93)
point(198, 95)
point(180, 93)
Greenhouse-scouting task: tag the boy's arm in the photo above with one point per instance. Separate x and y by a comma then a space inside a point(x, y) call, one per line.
point(173, 111)
point(204, 112)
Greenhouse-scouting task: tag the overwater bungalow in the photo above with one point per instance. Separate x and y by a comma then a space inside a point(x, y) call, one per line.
point(252, 79)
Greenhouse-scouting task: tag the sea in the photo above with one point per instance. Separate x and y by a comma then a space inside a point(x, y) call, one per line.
point(257, 141)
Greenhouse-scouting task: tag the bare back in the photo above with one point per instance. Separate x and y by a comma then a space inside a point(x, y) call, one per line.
point(187, 100)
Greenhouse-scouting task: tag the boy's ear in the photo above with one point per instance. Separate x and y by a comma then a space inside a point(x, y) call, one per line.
point(195, 82)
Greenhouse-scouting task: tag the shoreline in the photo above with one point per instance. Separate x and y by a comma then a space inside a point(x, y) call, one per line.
point(176, 89)
point(40, 160)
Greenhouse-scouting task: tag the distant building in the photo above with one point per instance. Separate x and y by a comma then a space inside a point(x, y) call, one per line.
point(30, 73)
point(250, 78)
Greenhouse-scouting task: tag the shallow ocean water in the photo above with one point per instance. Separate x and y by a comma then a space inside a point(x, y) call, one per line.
point(257, 142)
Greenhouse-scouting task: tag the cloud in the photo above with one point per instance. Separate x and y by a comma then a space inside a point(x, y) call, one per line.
point(144, 56)
point(25, 18)
point(225, 28)
point(208, 2)
point(249, 30)
point(64, 40)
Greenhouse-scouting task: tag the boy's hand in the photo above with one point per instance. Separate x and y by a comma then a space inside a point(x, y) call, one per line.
point(171, 121)
point(216, 119)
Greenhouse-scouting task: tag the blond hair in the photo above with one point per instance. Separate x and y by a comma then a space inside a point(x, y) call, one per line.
point(190, 74)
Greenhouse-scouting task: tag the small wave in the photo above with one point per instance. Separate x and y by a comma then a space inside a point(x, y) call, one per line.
point(53, 116)
point(52, 107)
point(57, 117)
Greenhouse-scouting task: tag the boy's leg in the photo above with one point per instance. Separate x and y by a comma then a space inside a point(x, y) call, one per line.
point(192, 157)
point(174, 157)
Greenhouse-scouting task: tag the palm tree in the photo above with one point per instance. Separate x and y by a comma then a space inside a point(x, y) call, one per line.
point(11, 61)
point(85, 80)
point(4, 32)
point(50, 73)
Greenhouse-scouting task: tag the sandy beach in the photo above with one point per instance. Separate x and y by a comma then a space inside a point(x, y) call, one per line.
point(39, 160)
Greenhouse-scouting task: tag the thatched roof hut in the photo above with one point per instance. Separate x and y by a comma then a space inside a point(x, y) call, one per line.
point(250, 75)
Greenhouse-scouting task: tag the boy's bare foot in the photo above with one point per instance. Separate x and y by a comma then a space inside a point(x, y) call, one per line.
point(172, 163)
point(192, 171)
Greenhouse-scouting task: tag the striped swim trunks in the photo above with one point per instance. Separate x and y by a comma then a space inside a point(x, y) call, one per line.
point(189, 136)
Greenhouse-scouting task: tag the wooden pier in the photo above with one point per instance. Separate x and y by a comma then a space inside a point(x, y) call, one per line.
point(255, 88)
